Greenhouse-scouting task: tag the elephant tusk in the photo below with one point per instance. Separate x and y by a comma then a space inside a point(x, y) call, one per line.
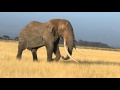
point(68, 52)
point(80, 51)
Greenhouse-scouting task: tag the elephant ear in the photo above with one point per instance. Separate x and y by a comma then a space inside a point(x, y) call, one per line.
point(51, 28)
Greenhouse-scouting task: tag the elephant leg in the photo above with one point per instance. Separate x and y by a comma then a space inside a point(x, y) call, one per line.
point(34, 54)
point(21, 47)
point(49, 48)
point(56, 50)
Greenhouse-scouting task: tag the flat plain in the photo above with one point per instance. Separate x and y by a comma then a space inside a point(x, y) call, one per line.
point(98, 63)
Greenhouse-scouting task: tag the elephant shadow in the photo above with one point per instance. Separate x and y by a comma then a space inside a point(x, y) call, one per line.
point(94, 62)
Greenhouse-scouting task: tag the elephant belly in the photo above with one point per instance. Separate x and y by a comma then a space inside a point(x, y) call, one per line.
point(35, 42)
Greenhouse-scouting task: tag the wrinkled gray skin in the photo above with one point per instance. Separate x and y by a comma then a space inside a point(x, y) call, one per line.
point(36, 35)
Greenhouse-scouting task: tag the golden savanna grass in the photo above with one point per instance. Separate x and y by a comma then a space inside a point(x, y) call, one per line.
point(96, 64)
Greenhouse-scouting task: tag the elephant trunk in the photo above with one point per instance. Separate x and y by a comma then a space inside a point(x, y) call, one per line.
point(69, 48)
point(68, 51)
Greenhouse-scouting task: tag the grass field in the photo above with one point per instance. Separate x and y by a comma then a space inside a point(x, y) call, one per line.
point(96, 64)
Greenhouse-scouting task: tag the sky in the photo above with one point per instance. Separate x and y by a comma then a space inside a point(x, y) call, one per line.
point(101, 27)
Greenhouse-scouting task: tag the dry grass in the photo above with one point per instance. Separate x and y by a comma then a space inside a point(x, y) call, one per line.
point(96, 64)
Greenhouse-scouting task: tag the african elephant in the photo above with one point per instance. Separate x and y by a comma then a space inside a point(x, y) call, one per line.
point(37, 34)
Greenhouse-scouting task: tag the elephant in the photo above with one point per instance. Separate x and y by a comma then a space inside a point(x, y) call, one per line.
point(38, 34)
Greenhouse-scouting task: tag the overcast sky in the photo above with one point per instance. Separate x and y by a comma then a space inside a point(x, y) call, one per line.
point(90, 26)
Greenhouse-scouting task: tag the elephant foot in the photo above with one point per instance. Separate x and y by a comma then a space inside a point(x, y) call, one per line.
point(35, 60)
point(18, 57)
point(56, 59)
point(65, 58)
point(50, 60)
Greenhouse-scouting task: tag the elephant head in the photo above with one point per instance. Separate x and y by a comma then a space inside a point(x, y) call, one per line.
point(65, 31)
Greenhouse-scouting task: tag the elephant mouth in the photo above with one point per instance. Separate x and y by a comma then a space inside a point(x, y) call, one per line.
point(65, 47)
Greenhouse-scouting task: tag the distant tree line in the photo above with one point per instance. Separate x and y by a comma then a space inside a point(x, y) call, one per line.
point(88, 44)
point(79, 42)
point(6, 37)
